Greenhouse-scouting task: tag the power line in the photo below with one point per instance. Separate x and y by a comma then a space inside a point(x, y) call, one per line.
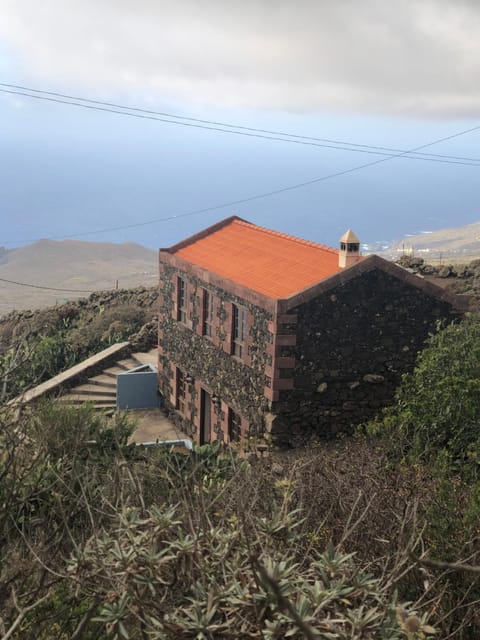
point(258, 196)
point(144, 114)
point(38, 286)
point(224, 124)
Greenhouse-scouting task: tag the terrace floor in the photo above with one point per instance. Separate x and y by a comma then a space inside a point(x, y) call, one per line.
point(152, 425)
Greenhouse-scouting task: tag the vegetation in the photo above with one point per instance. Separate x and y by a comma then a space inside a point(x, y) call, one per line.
point(437, 413)
point(35, 347)
point(434, 424)
point(101, 540)
point(374, 536)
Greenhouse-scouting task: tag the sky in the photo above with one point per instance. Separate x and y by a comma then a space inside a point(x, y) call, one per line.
point(392, 74)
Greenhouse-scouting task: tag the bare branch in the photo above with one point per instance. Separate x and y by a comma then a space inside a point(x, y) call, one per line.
point(22, 613)
point(453, 566)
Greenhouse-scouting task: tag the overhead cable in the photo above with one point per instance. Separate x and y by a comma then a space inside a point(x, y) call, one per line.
point(144, 114)
point(258, 196)
point(39, 286)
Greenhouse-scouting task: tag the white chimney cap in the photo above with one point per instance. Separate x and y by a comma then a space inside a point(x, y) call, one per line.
point(349, 237)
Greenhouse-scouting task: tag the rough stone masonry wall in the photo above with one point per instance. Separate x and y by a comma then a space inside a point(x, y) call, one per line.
point(353, 344)
point(209, 361)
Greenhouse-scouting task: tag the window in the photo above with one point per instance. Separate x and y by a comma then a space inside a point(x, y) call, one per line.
point(208, 313)
point(181, 391)
point(181, 300)
point(239, 330)
point(234, 426)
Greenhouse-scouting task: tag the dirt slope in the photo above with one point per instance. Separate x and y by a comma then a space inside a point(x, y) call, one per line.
point(459, 244)
point(80, 266)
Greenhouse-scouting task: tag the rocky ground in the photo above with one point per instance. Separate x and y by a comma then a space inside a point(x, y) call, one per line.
point(464, 279)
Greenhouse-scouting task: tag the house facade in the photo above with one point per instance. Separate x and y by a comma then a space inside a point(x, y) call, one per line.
point(264, 333)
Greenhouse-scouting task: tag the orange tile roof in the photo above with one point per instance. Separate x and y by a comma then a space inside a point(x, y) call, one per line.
point(274, 264)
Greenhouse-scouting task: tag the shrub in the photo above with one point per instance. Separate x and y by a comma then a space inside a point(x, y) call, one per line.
point(437, 407)
point(31, 362)
point(105, 542)
point(203, 563)
point(435, 425)
point(109, 325)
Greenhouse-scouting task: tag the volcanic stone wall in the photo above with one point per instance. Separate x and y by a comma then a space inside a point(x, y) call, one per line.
point(238, 383)
point(352, 345)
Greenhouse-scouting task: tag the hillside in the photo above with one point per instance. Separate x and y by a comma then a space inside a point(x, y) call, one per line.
point(458, 244)
point(39, 344)
point(81, 266)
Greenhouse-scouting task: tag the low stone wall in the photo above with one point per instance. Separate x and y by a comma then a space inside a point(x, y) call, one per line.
point(456, 278)
point(353, 344)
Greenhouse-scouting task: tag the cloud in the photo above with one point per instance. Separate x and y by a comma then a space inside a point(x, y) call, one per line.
point(419, 57)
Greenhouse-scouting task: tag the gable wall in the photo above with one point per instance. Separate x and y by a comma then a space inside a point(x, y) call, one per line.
point(240, 384)
point(353, 342)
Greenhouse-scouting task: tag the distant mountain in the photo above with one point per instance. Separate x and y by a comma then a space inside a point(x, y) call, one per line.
point(456, 243)
point(79, 266)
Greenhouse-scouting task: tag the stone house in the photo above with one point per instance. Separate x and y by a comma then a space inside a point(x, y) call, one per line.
point(261, 332)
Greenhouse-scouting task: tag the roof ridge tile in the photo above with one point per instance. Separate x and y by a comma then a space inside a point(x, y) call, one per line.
point(286, 236)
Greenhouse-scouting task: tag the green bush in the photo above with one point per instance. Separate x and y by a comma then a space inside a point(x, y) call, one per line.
point(32, 361)
point(434, 426)
point(437, 409)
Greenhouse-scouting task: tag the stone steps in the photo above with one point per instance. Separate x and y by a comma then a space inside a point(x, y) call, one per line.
point(129, 363)
point(74, 398)
point(111, 374)
point(148, 357)
point(66, 378)
point(103, 382)
point(94, 390)
point(121, 367)
point(101, 389)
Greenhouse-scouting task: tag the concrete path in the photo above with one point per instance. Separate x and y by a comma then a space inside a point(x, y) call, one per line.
point(152, 425)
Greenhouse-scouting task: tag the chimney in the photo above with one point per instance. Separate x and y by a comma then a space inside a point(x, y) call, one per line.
point(349, 253)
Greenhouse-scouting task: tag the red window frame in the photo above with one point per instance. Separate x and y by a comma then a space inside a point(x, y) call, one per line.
point(208, 313)
point(239, 330)
point(181, 300)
